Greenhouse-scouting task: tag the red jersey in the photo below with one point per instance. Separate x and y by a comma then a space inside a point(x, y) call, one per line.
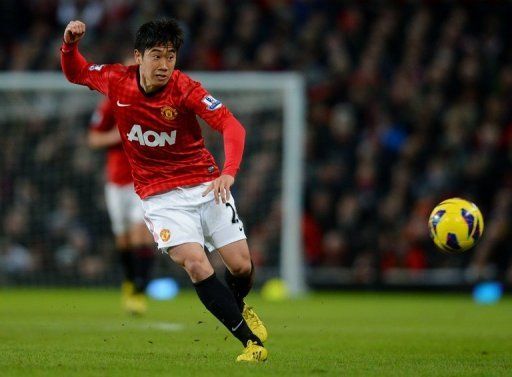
point(159, 131)
point(119, 171)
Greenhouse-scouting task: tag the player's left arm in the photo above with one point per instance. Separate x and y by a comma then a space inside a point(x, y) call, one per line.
point(217, 116)
point(234, 140)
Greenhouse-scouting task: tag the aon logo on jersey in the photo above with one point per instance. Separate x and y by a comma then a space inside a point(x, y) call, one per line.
point(151, 138)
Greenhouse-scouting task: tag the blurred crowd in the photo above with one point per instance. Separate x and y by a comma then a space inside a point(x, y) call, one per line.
point(408, 104)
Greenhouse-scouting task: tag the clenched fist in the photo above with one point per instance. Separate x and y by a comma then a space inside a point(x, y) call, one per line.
point(74, 32)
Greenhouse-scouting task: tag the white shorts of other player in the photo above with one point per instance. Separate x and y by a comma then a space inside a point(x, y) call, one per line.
point(124, 207)
point(183, 215)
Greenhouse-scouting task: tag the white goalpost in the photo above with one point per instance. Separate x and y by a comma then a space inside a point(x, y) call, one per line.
point(270, 105)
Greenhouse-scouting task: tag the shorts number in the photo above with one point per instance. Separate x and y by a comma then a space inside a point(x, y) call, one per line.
point(234, 219)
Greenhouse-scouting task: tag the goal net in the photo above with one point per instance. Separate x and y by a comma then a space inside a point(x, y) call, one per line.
point(55, 228)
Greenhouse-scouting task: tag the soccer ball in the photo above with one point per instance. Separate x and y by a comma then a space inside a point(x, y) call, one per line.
point(456, 225)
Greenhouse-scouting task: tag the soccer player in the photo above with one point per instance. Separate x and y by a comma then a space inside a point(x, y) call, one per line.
point(186, 198)
point(132, 239)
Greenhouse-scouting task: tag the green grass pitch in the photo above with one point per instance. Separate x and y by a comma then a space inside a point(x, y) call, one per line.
point(84, 333)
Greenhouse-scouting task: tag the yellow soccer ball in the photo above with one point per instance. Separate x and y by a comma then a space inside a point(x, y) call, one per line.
point(456, 225)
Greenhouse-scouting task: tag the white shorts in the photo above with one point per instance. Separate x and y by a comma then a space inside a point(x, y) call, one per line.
point(183, 215)
point(124, 207)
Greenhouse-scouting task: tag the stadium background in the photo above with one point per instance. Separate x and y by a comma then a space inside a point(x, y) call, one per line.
point(407, 104)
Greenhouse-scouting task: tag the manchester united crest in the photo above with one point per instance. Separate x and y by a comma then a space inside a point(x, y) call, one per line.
point(168, 113)
point(165, 234)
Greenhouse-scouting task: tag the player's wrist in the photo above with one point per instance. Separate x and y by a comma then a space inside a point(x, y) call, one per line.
point(231, 173)
point(68, 47)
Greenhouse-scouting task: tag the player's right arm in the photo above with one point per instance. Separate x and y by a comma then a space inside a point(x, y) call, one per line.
point(76, 69)
point(74, 31)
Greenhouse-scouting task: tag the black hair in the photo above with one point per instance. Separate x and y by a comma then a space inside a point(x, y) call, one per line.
point(160, 32)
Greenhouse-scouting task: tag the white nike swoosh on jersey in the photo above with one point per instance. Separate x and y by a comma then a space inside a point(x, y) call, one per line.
point(122, 104)
point(237, 326)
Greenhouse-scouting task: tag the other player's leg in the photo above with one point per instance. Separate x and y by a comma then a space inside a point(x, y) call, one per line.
point(115, 200)
point(126, 259)
point(141, 243)
point(141, 240)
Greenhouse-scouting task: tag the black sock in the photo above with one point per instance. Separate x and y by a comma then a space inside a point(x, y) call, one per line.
point(143, 263)
point(240, 285)
point(220, 302)
point(127, 263)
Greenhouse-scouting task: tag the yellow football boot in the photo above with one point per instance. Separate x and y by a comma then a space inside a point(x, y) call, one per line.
point(136, 304)
point(132, 302)
point(127, 289)
point(254, 322)
point(253, 353)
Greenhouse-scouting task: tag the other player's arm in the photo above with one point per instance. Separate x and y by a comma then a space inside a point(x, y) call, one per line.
point(99, 140)
point(76, 69)
point(103, 132)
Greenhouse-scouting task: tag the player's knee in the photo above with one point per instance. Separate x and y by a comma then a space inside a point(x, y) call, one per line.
point(198, 269)
point(242, 268)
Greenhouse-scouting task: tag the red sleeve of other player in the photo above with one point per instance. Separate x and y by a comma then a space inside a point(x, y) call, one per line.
point(102, 119)
point(221, 119)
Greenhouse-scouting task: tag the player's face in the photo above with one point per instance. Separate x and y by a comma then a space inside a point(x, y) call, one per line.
point(156, 66)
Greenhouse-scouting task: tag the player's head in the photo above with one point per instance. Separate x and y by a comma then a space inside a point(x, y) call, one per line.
point(156, 46)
